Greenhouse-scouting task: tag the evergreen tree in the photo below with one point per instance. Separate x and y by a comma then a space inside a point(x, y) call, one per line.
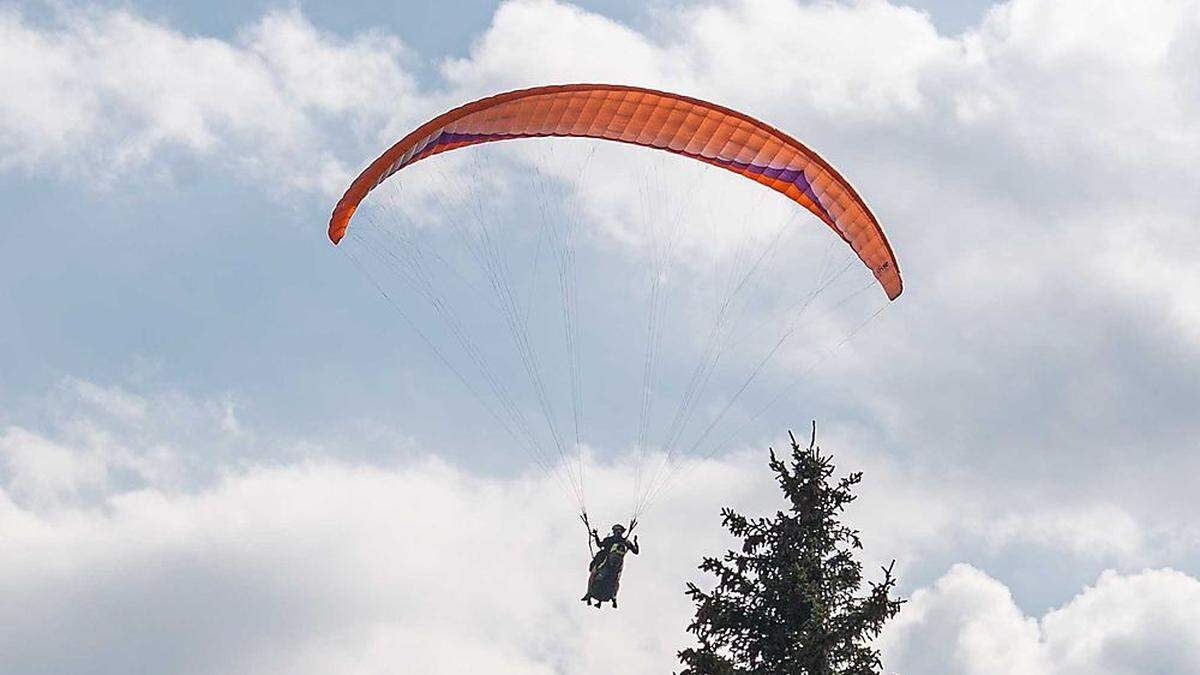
point(792, 601)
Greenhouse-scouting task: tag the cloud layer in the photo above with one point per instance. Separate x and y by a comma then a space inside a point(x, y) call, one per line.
point(108, 94)
point(967, 623)
point(320, 566)
point(1028, 406)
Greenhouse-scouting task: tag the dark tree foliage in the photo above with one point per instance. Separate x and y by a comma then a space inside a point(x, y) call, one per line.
point(792, 601)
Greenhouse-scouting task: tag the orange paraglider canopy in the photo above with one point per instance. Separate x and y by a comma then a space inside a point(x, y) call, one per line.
point(654, 119)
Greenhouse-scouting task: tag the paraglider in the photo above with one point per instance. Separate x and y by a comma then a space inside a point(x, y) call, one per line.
point(658, 120)
point(604, 572)
point(679, 124)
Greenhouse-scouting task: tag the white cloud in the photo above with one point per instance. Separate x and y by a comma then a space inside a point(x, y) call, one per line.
point(107, 93)
point(532, 42)
point(967, 624)
point(1148, 262)
point(40, 470)
point(104, 439)
point(862, 62)
point(1128, 624)
point(974, 624)
point(1033, 174)
point(321, 566)
point(110, 400)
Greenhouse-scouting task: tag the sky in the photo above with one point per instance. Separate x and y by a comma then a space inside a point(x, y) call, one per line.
point(222, 450)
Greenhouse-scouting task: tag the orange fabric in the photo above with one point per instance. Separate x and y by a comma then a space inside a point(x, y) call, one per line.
point(671, 122)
